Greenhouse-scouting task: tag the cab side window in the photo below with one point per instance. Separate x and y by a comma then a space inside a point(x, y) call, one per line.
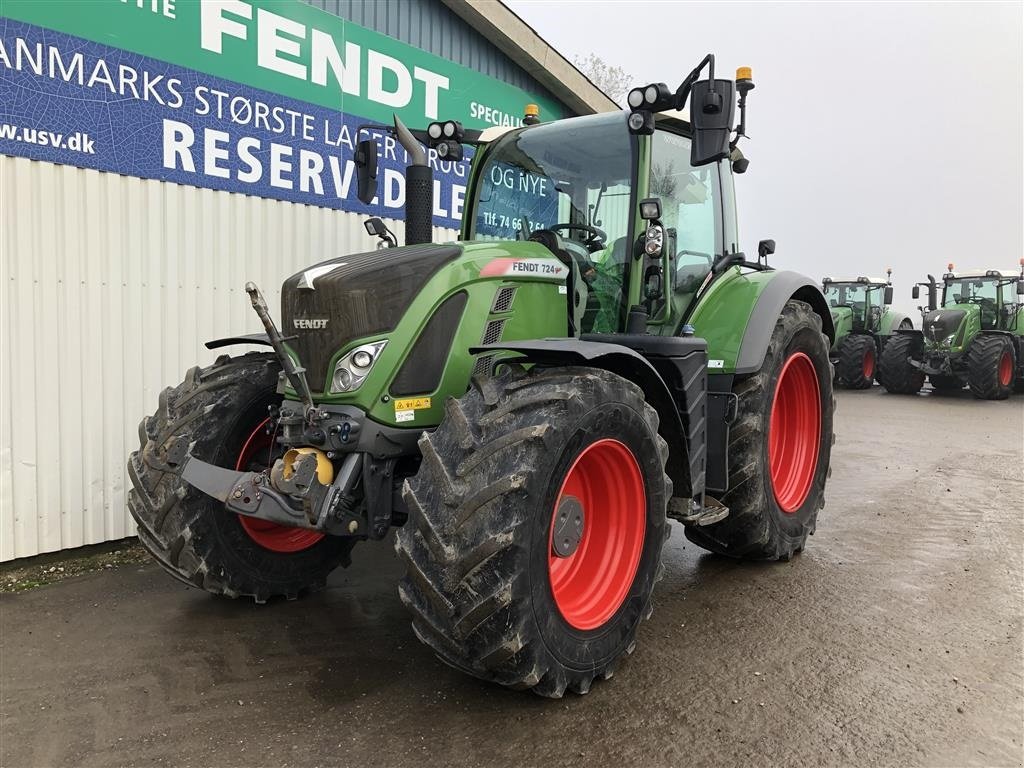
point(690, 208)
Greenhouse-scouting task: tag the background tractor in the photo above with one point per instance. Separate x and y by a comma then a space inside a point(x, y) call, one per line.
point(527, 406)
point(863, 323)
point(975, 339)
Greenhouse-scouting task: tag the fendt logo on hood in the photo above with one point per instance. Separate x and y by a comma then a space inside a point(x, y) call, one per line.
point(310, 323)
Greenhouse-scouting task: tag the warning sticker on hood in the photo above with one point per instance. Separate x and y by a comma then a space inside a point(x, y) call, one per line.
point(545, 269)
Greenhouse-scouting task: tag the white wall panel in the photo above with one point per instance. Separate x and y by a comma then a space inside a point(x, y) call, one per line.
point(110, 286)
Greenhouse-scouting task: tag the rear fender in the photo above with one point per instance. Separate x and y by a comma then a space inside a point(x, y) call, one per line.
point(891, 321)
point(625, 362)
point(781, 288)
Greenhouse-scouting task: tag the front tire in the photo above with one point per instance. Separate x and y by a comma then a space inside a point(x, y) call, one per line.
point(897, 375)
point(990, 367)
point(191, 535)
point(780, 446)
point(856, 366)
point(501, 580)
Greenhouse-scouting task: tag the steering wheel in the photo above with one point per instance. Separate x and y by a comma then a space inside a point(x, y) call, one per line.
point(598, 237)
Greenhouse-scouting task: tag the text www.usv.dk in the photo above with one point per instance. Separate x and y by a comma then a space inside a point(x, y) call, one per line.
point(76, 142)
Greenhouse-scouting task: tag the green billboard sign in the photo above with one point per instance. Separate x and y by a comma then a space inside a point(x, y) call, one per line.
point(293, 49)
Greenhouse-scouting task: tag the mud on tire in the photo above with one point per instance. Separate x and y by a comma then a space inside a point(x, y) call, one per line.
point(191, 534)
point(896, 373)
point(990, 367)
point(757, 528)
point(856, 366)
point(477, 542)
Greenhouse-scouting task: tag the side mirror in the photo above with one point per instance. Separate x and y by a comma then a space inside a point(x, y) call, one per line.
point(765, 248)
point(887, 295)
point(916, 292)
point(711, 115)
point(366, 170)
point(1020, 287)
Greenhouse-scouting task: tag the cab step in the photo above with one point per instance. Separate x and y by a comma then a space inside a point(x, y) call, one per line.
point(690, 512)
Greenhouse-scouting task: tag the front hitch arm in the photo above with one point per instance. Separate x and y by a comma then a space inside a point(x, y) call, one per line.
point(299, 500)
point(247, 493)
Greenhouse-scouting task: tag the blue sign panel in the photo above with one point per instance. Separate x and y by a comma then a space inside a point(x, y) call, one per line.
point(67, 100)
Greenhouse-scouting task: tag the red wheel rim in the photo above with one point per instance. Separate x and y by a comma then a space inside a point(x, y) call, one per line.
point(591, 584)
point(869, 363)
point(276, 538)
point(1005, 369)
point(794, 431)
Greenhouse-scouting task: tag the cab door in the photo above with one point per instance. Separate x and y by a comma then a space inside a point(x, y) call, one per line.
point(698, 213)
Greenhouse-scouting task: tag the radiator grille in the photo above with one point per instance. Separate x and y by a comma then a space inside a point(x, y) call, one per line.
point(483, 365)
point(503, 299)
point(492, 333)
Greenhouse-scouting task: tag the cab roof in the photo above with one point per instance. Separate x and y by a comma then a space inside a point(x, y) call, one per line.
point(875, 281)
point(1001, 274)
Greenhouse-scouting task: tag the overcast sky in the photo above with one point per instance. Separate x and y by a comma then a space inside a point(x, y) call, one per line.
point(882, 134)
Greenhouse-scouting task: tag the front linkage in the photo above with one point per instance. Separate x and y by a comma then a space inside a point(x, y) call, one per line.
point(301, 489)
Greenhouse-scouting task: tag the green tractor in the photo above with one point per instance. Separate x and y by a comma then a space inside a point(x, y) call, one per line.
point(527, 406)
point(975, 339)
point(863, 323)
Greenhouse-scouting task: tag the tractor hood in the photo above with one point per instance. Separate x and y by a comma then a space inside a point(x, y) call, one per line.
point(325, 306)
point(945, 327)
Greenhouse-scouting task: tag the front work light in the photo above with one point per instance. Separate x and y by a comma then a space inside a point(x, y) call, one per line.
point(641, 122)
point(351, 371)
point(650, 208)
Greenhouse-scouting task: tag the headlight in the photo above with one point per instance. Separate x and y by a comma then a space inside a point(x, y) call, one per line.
point(948, 341)
point(353, 368)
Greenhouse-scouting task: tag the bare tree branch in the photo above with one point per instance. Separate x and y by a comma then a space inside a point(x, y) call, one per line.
point(614, 81)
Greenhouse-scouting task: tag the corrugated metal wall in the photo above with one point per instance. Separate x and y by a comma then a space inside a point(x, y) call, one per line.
point(429, 25)
point(110, 286)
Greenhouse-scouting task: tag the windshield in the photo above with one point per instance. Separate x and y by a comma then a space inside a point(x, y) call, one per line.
point(970, 291)
point(578, 172)
point(842, 295)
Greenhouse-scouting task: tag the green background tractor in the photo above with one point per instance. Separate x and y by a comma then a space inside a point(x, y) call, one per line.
point(527, 406)
point(974, 339)
point(863, 322)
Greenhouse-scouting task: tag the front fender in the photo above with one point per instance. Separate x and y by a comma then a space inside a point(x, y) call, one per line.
point(253, 338)
point(688, 480)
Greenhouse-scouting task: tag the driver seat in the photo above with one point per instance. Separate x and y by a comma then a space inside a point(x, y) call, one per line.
point(577, 291)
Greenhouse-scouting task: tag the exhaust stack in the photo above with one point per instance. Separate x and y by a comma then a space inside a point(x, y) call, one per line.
point(419, 189)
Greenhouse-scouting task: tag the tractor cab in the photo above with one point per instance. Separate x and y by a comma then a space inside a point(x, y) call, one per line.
point(577, 187)
point(991, 293)
point(857, 304)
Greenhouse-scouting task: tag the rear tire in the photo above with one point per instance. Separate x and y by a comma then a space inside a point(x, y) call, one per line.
point(897, 375)
point(190, 534)
point(483, 583)
point(990, 367)
point(774, 507)
point(856, 366)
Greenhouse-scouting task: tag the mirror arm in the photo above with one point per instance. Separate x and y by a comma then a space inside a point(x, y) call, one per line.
point(683, 91)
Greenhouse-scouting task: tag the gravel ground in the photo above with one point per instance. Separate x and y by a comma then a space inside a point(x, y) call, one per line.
point(895, 639)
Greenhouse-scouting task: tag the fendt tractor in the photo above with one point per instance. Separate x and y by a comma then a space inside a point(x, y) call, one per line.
point(526, 406)
point(975, 339)
point(863, 322)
